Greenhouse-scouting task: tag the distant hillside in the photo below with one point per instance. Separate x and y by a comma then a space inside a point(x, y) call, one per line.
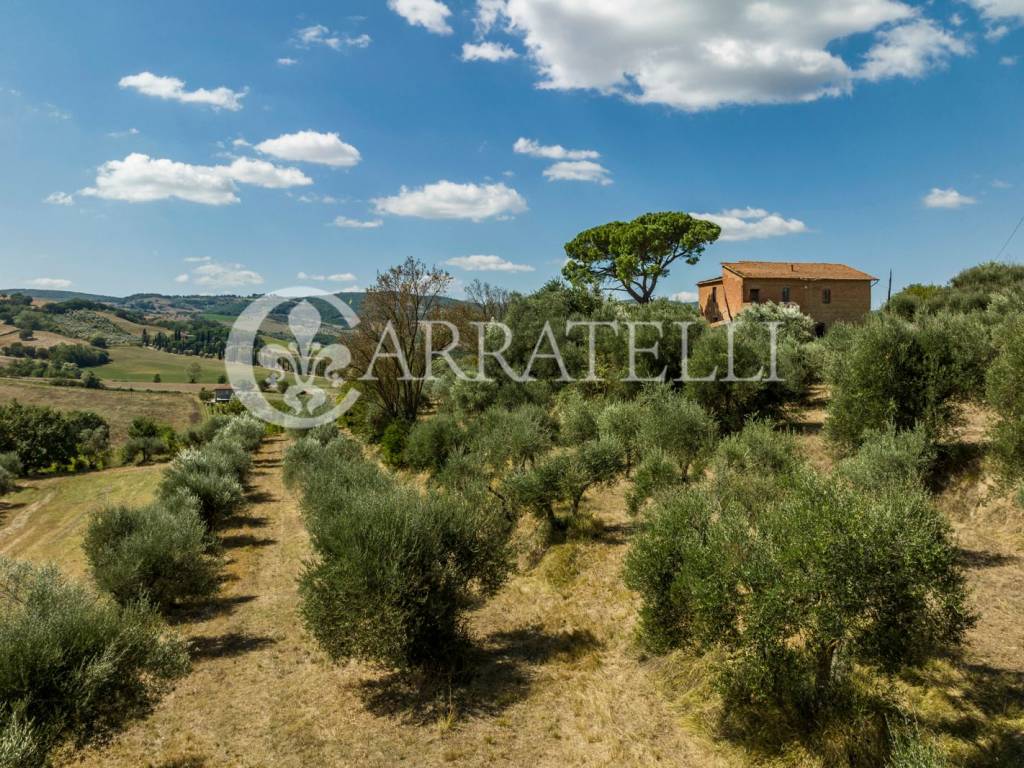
point(37, 293)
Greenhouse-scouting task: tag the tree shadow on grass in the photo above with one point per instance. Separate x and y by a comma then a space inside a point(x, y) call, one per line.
point(227, 645)
point(245, 521)
point(260, 497)
point(976, 559)
point(204, 610)
point(490, 679)
point(239, 540)
point(188, 761)
point(953, 462)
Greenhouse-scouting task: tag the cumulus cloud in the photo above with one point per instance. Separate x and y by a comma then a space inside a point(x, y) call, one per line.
point(59, 198)
point(946, 198)
point(694, 55)
point(578, 170)
point(487, 51)
point(285, 61)
point(139, 179)
point(752, 224)
point(173, 89)
point(553, 151)
point(685, 296)
point(318, 34)
point(341, 277)
point(448, 200)
point(999, 9)
point(218, 275)
point(1008, 61)
point(430, 14)
point(346, 223)
point(911, 50)
point(487, 263)
point(312, 147)
point(182, 278)
point(53, 283)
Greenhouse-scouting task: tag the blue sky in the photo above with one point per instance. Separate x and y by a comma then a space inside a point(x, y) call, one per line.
point(221, 147)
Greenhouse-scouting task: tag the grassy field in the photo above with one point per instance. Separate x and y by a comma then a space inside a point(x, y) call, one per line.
point(44, 520)
point(141, 363)
point(118, 407)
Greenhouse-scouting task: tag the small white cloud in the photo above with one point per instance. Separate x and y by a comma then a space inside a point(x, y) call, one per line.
point(553, 151)
point(956, 20)
point(359, 41)
point(341, 277)
point(911, 50)
point(1000, 184)
point(59, 198)
point(448, 200)
point(318, 34)
point(284, 61)
point(241, 143)
point(996, 33)
point(685, 296)
point(139, 179)
point(429, 14)
point(182, 278)
point(312, 147)
point(173, 89)
point(578, 170)
point(347, 223)
point(752, 224)
point(123, 134)
point(946, 198)
point(225, 275)
point(54, 283)
point(1008, 61)
point(260, 173)
point(487, 263)
point(197, 259)
point(312, 197)
point(487, 51)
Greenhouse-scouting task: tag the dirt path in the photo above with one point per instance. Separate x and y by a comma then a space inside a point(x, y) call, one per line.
point(555, 681)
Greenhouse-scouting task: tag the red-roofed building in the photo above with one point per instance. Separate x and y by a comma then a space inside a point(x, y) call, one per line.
point(829, 293)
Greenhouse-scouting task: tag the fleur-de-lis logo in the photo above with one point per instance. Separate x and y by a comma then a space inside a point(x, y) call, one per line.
point(304, 360)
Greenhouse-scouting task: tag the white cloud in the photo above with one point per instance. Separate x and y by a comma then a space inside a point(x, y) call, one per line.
point(578, 170)
point(341, 277)
point(318, 34)
point(752, 224)
point(224, 275)
point(182, 278)
point(692, 54)
point(263, 174)
point(123, 134)
point(285, 61)
point(55, 283)
point(448, 200)
point(487, 51)
point(1000, 9)
point(312, 147)
point(992, 34)
point(685, 296)
point(312, 197)
point(347, 223)
point(484, 263)
point(552, 152)
point(1000, 184)
point(174, 89)
point(1008, 61)
point(59, 198)
point(956, 20)
point(429, 14)
point(911, 50)
point(139, 179)
point(946, 198)
point(197, 259)
point(487, 14)
point(240, 142)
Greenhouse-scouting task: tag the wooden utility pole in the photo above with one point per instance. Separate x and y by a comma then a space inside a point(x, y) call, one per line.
point(889, 295)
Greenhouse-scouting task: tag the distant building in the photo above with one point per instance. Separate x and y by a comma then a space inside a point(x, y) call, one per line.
point(828, 293)
point(223, 394)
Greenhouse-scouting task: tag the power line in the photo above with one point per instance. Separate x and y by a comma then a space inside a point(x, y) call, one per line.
point(1010, 238)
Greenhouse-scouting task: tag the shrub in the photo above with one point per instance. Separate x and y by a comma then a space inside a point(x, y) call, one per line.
point(7, 481)
point(889, 458)
point(158, 553)
point(678, 426)
point(246, 431)
point(823, 577)
point(324, 433)
point(396, 570)
point(392, 442)
point(11, 463)
point(1005, 390)
point(577, 417)
point(201, 474)
point(623, 422)
point(911, 749)
point(517, 437)
point(142, 449)
point(432, 441)
point(73, 665)
point(793, 324)
point(656, 472)
point(41, 437)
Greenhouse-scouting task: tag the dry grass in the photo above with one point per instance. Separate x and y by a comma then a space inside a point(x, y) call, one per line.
point(118, 407)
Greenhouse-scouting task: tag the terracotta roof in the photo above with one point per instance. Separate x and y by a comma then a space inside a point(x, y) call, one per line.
point(799, 270)
point(710, 280)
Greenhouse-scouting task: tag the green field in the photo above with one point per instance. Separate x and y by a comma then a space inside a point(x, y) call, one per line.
point(141, 363)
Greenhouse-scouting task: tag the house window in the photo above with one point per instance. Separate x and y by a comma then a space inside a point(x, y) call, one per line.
point(755, 295)
point(785, 294)
point(826, 295)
